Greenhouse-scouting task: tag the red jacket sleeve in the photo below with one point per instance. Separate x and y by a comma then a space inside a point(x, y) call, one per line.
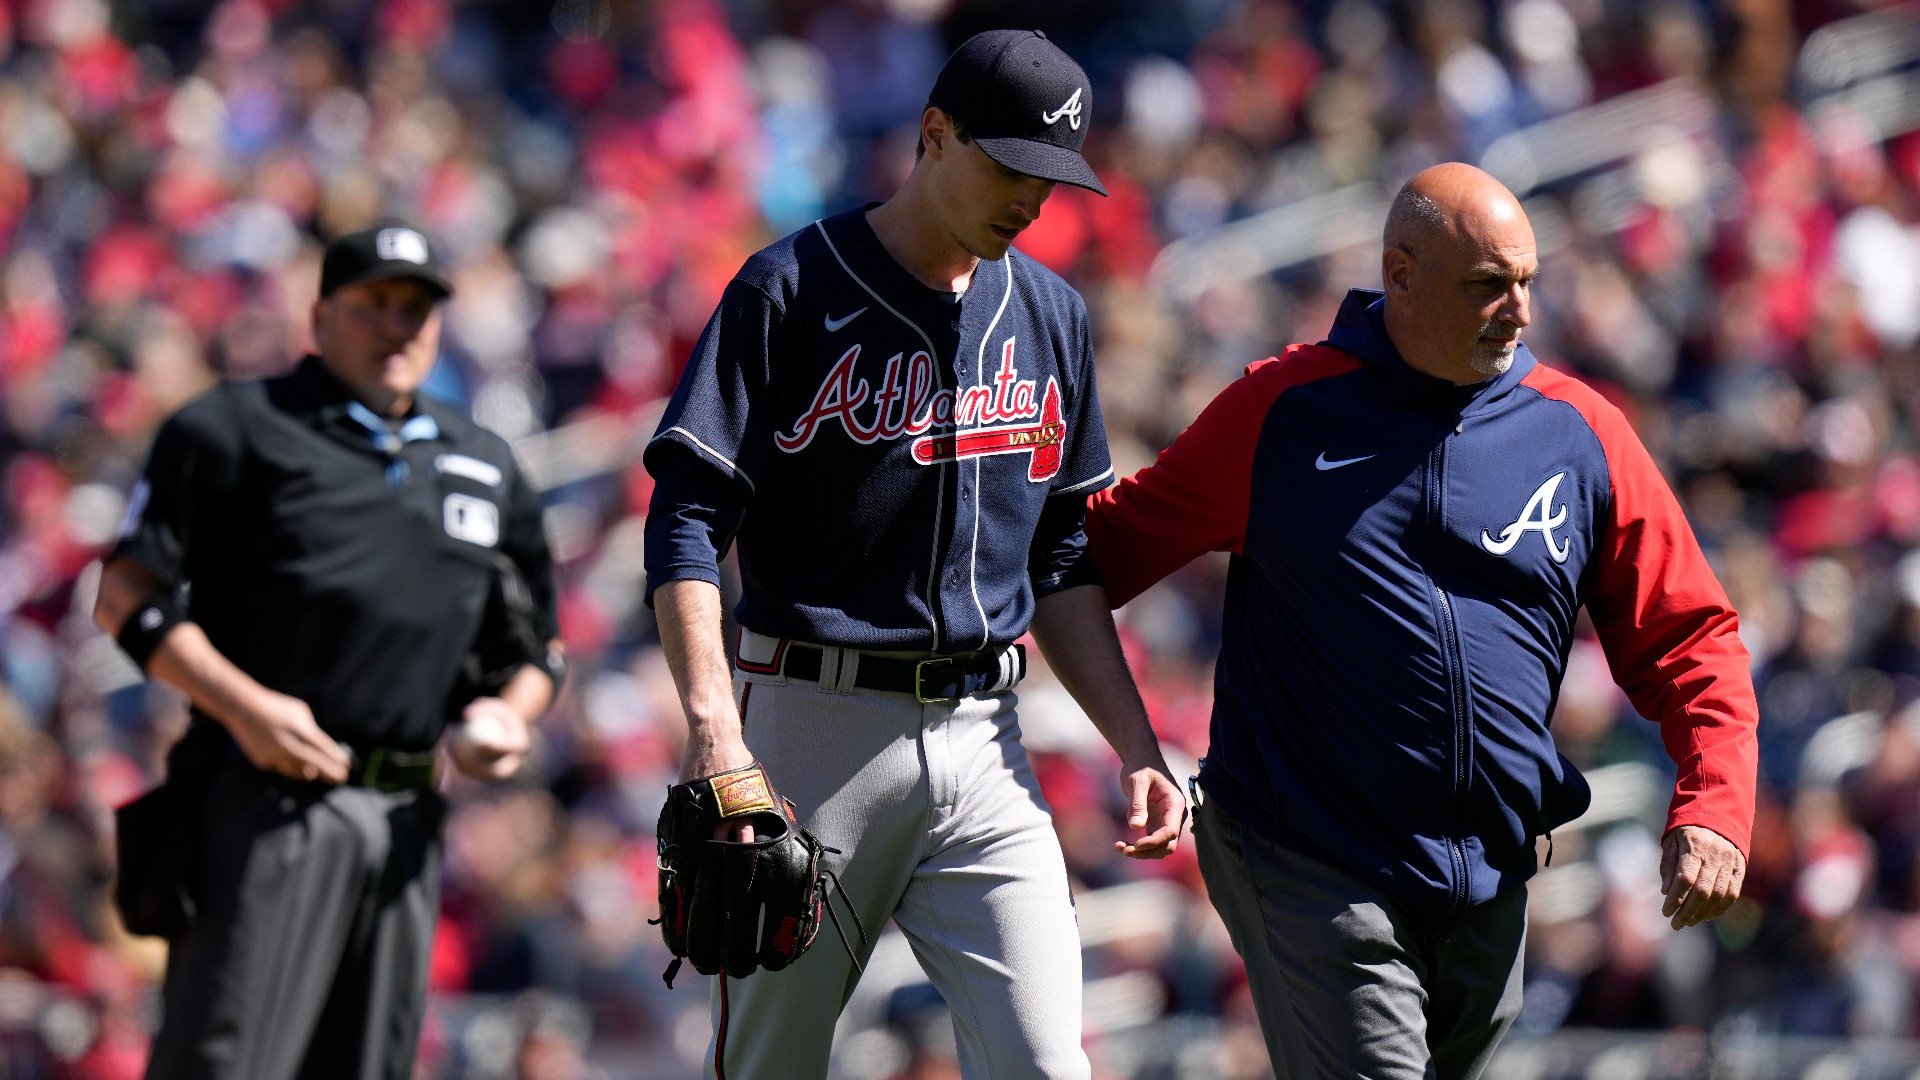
point(1669, 631)
point(1193, 498)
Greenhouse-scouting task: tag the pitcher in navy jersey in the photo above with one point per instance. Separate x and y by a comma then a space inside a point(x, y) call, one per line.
point(893, 415)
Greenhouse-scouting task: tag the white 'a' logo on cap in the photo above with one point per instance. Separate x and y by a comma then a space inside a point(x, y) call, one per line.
point(1070, 109)
point(404, 244)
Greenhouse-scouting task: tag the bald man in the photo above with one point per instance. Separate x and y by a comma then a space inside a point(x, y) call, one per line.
point(1417, 511)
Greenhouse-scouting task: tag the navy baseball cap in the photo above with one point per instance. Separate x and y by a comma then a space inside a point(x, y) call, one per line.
point(391, 250)
point(1026, 104)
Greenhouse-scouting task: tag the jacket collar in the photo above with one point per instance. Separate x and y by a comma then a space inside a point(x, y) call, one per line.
point(1360, 329)
point(314, 392)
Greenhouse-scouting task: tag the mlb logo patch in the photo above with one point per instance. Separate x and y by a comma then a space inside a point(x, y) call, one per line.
point(402, 244)
point(476, 521)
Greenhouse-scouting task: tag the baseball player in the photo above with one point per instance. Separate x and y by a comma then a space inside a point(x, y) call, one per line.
point(894, 415)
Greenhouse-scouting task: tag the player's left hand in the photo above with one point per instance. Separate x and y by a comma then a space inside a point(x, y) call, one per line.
point(1154, 805)
point(1700, 873)
point(491, 740)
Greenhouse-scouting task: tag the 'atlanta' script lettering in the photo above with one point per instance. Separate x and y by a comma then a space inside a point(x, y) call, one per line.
point(906, 402)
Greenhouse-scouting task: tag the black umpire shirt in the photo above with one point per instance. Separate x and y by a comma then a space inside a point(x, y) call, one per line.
point(332, 555)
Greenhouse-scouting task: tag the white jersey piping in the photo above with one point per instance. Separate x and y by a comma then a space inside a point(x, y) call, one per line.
point(980, 379)
point(709, 451)
point(1085, 484)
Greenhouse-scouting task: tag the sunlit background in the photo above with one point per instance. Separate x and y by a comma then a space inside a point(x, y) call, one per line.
point(1725, 197)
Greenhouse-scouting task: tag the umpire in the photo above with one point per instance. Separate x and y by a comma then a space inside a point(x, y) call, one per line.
point(314, 560)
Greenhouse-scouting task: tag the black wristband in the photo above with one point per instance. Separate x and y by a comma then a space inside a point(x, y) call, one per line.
point(554, 663)
point(147, 626)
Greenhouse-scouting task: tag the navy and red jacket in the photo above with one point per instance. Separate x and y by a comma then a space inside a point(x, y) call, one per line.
point(1409, 559)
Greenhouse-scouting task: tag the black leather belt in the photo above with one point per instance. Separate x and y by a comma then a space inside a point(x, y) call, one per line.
point(939, 678)
point(392, 770)
point(379, 769)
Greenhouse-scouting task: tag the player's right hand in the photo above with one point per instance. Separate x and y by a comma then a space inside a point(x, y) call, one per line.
point(711, 757)
point(1155, 807)
point(279, 735)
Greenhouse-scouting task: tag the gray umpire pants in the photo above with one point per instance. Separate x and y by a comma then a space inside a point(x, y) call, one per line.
point(308, 955)
point(1344, 985)
point(943, 829)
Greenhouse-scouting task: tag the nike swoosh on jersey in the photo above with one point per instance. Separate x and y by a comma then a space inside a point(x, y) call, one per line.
point(1324, 465)
point(834, 324)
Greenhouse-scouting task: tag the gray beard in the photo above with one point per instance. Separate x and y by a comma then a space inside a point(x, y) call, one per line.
point(1492, 364)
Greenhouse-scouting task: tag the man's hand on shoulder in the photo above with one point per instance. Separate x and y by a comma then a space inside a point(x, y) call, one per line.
point(490, 741)
point(278, 734)
point(1700, 874)
point(1154, 805)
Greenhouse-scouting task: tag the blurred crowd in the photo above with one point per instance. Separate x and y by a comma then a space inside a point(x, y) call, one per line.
point(593, 172)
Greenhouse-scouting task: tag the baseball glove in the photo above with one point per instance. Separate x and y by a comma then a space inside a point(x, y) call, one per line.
point(733, 907)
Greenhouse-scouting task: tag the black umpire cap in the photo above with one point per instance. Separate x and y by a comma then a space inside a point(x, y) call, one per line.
point(393, 249)
point(1026, 104)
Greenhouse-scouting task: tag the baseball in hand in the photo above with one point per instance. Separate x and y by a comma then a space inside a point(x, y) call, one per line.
point(482, 734)
point(490, 742)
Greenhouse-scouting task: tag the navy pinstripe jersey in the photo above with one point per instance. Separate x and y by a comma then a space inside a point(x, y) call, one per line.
point(901, 469)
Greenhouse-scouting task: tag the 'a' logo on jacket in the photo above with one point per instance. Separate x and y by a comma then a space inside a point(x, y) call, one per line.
point(1537, 516)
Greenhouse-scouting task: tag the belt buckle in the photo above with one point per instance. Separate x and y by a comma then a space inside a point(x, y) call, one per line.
point(920, 679)
point(385, 768)
point(370, 775)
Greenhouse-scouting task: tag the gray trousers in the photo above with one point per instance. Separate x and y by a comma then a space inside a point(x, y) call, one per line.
point(1343, 983)
point(943, 829)
point(308, 955)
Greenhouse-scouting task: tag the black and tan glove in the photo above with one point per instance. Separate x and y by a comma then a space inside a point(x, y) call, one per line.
point(735, 907)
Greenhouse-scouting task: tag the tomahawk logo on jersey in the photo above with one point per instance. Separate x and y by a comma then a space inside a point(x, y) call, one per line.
point(903, 435)
point(1040, 442)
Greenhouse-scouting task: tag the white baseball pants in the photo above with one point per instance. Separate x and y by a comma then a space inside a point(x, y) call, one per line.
point(942, 828)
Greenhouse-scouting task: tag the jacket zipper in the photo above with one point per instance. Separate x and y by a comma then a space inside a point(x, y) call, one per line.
point(1460, 706)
